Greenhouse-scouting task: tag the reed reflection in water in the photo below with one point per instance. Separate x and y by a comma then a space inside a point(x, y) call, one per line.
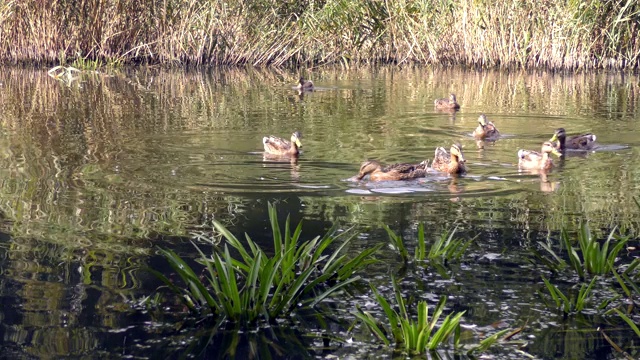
point(98, 171)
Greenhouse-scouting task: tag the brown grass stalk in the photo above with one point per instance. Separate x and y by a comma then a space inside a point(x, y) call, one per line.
point(524, 34)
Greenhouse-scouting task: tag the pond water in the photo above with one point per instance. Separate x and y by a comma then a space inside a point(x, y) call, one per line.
point(100, 170)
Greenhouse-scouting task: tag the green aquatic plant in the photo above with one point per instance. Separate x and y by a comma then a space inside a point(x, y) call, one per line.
point(444, 248)
point(259, 286)
point(628, 320)
point(626, 280)
point(591, 257)
point(573, 302)
point(414, 336)
point(594, 258)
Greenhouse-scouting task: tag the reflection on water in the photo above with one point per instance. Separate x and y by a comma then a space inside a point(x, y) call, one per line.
point(97, 172)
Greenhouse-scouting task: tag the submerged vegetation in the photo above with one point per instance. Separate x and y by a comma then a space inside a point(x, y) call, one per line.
point(559, 35)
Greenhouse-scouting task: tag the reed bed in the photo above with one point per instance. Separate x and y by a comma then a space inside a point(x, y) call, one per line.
point(546, 34)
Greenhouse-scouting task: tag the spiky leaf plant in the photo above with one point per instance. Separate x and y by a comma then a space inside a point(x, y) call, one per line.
point(590, 257)
point(414, 336)
point(257, 286)
point(444, 248)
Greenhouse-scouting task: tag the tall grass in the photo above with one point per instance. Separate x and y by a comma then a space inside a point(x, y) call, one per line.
point(559, 35)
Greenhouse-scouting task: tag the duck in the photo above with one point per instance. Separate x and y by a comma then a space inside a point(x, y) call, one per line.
point(401, 171)
point(451, 162)
point(278, 146)
point(304, 85)
point(533, 160)
point(486, 129)
point(578, 142)
point(449, 103)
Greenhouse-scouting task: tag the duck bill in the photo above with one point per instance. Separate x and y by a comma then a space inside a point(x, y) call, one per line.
point(554, 138)
point(298, 143)
point(556, 153)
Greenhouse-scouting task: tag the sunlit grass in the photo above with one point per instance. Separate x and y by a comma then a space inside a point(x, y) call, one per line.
point(258, 286)
point(513, 34)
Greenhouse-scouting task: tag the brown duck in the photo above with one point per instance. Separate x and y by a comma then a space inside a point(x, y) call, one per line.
point(451, 162)
point(278, 146)
point(447, 104)
point(486, 129)
point(533, 160)
point(304, 85)
point(392, 172)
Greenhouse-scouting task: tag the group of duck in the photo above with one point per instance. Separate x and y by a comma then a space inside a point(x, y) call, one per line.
point(452, 162)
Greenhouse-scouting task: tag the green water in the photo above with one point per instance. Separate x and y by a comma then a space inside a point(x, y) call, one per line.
point(97, 171)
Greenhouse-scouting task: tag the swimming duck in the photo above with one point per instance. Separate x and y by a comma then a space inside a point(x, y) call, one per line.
point(392, 172)
point(449, 103)
point(306, 85)
point(278, 146)
point(533, 160)
point(577, 142)
point(485, 129)
point(451, 162)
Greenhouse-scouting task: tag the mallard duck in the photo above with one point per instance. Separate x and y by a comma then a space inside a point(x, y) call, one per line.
point(533, 160)
point(577, 142)
point(451, 162)
point(449, 103)
point(278, 146)
point(485, 129)
point(306, 85)
point(392, 172)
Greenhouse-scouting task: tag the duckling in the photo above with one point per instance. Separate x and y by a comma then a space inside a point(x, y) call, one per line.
point(486, 129)
point(533, 160)
point(449, 103)
point(577, 142)
point(278, 146)
point(452, 162)
point(304, 85)
point(392, 172)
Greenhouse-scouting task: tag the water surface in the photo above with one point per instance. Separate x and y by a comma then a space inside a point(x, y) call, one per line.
point(98, 171)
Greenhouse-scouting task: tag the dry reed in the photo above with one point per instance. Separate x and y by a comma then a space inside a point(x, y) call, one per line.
point(556, 35)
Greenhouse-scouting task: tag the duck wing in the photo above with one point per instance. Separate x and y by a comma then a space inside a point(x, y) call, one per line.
point(273, 143)
point(584, 141)
point(529, 155)
point(492, 130)
point(407, 171)
point(441, 159)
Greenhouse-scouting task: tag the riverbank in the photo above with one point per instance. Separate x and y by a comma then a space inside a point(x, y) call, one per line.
point(553, 35)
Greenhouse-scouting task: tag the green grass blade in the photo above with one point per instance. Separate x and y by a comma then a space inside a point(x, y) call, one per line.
point(372, 325)
point(487, 342)
point(275, 229)
point(421, 249)
point(628, 321)
point(332, 289)
point(552, 290)
point(232, 240)
point(398, 244)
